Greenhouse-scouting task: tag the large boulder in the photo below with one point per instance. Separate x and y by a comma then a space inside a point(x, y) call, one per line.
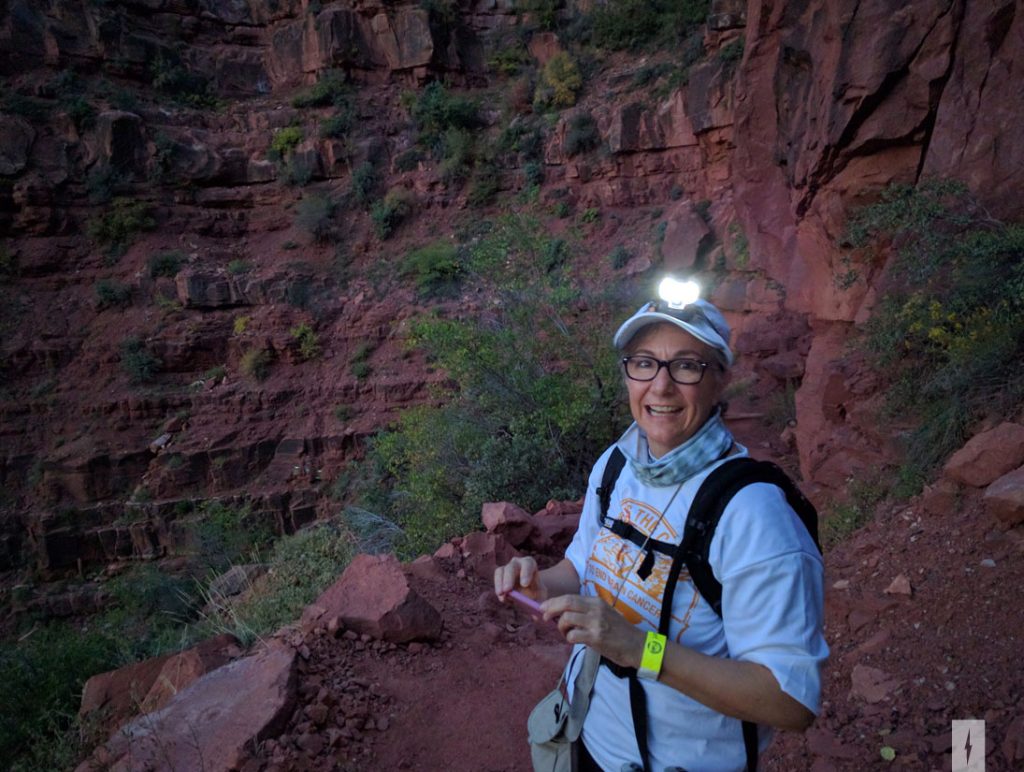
point(988, 456)
point(211, 724)
point(1004, 498)
point(508, 520)
point(373, 597)
point(484, 552)
point(111, 698)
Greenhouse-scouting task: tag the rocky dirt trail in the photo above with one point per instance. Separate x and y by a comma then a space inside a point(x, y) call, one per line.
point(923, 618)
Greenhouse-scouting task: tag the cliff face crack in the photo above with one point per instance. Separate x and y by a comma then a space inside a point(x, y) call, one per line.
point(938, 87)
point(838, 154)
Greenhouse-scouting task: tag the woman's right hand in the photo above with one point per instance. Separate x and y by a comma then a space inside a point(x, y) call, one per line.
point(519, 574)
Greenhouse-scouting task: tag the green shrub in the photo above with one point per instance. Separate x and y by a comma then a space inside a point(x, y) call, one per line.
point(173, 78)
point(434, 267)
point(331, 89)
point(117, 228)
point(286, 140)
point(41, 679)
point(166, 263)
point(81, 113)
point(112, 294)
point(315, 214)
point(619, 257)
point(435, 111)
point(581, 134)
point(553, 254)
point(309, 344)
point(408, 160)
point(946, 332)
point(533, 171)
point(336, 126)
point(457, 155)
point(225, 535)
point(215, 373)
point(632, 24)
point(731, 54)
point(510, 60)
point(301, 566)
point(255, 363)
point(534, 400)
point(238, 266)
point(590, 215)
point(297, 292)
point(365, 181)
point(388, 213)
point(342, 413)
point(138, 362)
point(560, 82)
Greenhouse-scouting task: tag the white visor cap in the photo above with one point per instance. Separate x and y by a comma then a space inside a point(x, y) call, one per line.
point(701, 319)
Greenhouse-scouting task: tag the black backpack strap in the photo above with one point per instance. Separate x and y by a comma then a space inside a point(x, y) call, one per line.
point(638, 707)
point(612, 468)
point(712, 498)
point(750, 744)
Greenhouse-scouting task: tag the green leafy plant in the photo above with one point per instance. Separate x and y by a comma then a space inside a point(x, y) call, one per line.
point(560, 82)
point(255, 363)
point(166, 263)
point(331, 89)
point(172, 77)
point(138, 362)
point(112, 294)
point(315, 215)
point(365, 181)
point(633, 24)
point(436, 110)
point(118, 227)
point(946, 332)
point(619, 257)
point(388, 213)
point(532, 404)
point(309, 344)
point(434, 267)
point(581, 134)
point(285, 141)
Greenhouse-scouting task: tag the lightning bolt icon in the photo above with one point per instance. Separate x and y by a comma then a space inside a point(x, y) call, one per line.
point(967, 746)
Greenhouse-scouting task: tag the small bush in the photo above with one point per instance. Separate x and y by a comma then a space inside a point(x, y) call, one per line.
point(581, 134)
point(238, 266)
point(315, 214)
point(342, 413)
point(297, 292)
point(408, 160)
point(364, 183)
point(330, 89)
point(388, 213)
point(300, 567)
point(633, 24)
point(946, 335)
point(561, 82)
point(112, 294)
point(138, 362)
point(619, 257)
point(81, 113)
point(240, 324)
point(434, 267)
point(117, 228)
point(216, 373)
point(166, 264)
point(361, 370)
point(286, 140)
point(590, 215)
point(435, 111)
point(309, 344)
point(533, 171)
point(255, 363)
point(170, 76)
point(510, 60)
point(554, 254)
point(336, 126)
point(457, 155)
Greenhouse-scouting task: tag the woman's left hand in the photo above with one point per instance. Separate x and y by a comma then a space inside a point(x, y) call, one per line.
point(593, 622)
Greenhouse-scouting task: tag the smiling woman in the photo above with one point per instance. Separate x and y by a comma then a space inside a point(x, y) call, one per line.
point(706, 679)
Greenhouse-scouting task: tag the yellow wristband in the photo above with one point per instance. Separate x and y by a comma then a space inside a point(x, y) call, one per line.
point(654, 652)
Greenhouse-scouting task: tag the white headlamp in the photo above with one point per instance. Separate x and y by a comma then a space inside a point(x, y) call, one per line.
point(678, 294)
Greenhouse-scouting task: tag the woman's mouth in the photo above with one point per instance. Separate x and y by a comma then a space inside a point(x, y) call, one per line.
point(662, 409)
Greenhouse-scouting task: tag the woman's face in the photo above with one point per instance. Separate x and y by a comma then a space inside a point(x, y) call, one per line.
point(669, 412)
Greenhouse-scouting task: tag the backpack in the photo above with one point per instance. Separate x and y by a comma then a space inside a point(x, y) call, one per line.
point(712, 498)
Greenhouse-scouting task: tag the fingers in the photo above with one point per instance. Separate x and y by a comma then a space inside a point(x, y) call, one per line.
point(517, 574)
point(591, 621)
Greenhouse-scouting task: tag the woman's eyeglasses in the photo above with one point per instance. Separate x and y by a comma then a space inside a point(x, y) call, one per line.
point(684, 371)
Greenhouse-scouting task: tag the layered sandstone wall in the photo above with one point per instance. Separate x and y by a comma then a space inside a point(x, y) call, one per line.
point(753, 165)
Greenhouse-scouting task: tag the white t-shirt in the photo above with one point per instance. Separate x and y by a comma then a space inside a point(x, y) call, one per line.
point(772, 606)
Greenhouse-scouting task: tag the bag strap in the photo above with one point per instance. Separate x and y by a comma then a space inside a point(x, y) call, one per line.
point(612, 468)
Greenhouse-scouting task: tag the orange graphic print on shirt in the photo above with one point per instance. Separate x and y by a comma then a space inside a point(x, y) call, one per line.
point(611, 571)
